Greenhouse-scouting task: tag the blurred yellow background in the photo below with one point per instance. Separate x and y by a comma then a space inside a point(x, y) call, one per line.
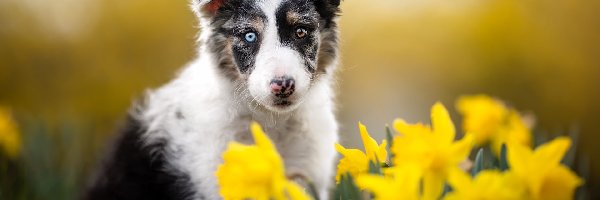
point(69, 69)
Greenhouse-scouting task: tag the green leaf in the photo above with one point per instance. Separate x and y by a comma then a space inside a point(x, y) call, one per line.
point(569, 159)
point(503, 162)
point(390, 139)
point(478, 163)
point(347, 189)
point(375, 168)
point(447, 189)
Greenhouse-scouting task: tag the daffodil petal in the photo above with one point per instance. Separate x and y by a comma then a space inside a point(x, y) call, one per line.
point(260, 138)
point(348, 152)
point(560, 183)
point(433, 186)
point(441, 123)
point(518, 157)
point(482, 116)
point(374, 183)
point(459, 180)
point(410, 130)
point(382, 151)
point(339, 148)
point(252, 171)
point(462, 148)
point(452, 196)
point(520, 132)
point(553, 151)
point(410, 174)
point(353, 162)
point(369, 143)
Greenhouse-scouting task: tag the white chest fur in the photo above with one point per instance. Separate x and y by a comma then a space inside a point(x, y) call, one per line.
point(198, 116)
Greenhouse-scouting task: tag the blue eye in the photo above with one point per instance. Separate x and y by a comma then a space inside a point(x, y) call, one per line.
point(250, 37)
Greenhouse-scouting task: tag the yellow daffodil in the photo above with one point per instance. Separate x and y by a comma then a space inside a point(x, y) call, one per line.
point(483, 115)
point(432, 149)
point(255, 171)
point(355, 161)
point(402, 184)
point(514, 131)
point(491, 122)
point(488, 184)
point(375, 153)
point(10, 139)
point(541, 171)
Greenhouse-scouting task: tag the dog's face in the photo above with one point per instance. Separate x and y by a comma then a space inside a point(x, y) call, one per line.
point(274, 50)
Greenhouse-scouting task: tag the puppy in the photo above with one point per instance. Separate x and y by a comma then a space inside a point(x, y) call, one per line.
point(269, 61)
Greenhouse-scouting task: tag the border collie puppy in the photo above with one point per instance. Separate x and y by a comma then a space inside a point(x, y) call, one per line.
point(269, 61)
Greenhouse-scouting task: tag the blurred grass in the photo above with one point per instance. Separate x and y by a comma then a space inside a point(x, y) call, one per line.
point(69, 69)
point(55, 161)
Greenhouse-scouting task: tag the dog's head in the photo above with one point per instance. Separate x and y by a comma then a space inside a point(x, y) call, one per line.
point(274, 50)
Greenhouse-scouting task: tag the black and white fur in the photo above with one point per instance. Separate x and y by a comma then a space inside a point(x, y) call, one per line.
point(173, 142)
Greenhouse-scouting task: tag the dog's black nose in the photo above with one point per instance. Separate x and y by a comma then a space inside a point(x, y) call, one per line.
point(283, 87)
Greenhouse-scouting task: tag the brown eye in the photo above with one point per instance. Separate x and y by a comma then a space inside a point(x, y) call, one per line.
point(301, 33)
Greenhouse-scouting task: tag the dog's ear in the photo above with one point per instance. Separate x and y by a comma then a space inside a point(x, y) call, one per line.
point(328, 5)
point(328, 9)
point(334, 3)
point(207, 8)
